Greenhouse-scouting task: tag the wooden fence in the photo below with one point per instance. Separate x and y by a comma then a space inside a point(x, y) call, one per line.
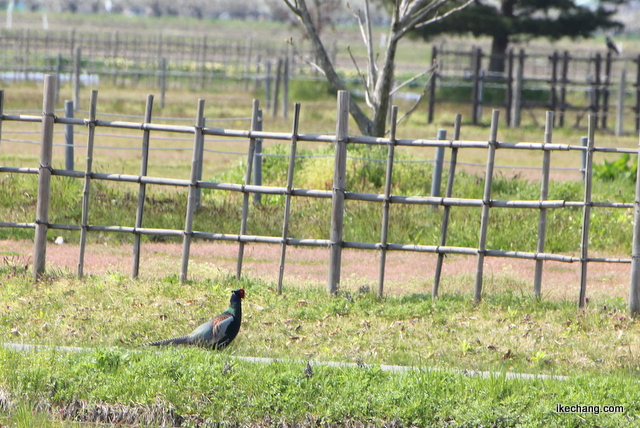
point(338, 194)
point(153, 60)
point(592, 80)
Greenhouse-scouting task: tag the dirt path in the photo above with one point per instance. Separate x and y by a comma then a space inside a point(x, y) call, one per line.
point(406, 272)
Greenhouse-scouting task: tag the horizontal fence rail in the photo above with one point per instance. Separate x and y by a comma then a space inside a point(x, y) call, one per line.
point(339, 194)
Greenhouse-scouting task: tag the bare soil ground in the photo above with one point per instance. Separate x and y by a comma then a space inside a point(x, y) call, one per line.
point(406, 272)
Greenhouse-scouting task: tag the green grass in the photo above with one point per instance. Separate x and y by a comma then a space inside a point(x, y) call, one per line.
point(509, 229)
point(507, 332)
point(199, 386)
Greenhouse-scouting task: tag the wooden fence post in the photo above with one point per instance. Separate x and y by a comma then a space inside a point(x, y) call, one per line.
point(634, 286)
point(58, 74)
point(586, 212)
point(287, 201)
point(163, 81)
point(605, 90)
point(544, 195)
point(68, 137)
point(76, 77)
point(516, 104)
point(277, 88)
point(595, 103)
point(563, 87)
point(257, 161)
point(622, 89)
point(337, 199)
point(199, 170)
point(198, 140)
point(436, 178)
point(267, 85)
point(447, 208)
point(508, 93)
point(247, 180)
point(247, 69)
point(87, 181)
point(44, 177)
point(142, 189)
point(477, 66)
point(553, 93)
point(432, 84)
point(387, 200)
point(285, 88)
point(486, 200)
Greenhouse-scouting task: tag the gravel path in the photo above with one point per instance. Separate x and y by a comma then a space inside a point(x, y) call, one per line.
point(406, 272)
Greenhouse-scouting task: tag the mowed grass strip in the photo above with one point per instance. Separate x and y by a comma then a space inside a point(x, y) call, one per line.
point(196, 387)
point(507, 331)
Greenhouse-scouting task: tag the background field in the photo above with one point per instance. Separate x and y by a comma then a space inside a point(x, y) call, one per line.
point(110, 314)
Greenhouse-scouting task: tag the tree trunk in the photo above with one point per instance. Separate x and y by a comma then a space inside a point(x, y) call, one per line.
point(498, 53)
point(383, 89)
point(364, 123)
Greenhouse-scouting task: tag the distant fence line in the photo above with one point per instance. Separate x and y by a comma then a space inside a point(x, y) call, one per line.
point(338, 194)
point(152, 59)
point(605, 81)
point(554, 75)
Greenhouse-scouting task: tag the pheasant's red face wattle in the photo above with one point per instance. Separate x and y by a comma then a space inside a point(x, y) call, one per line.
point(241, 293)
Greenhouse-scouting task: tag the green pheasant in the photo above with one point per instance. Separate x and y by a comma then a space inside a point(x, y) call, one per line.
point(215, 333)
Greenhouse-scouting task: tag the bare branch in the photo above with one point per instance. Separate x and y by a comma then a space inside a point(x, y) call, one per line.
point(358, 17)
point(306, 60)
point(443, 16)
point(415, 106)
point(293, 8)
point(373, 71)
point(415, 20)
point(362, 77)
point(429, 70)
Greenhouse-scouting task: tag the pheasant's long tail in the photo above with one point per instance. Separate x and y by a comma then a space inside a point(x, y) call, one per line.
point(182, 340)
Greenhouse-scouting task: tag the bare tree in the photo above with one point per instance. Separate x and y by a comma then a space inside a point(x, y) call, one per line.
point(323, 13)
point(407, 15)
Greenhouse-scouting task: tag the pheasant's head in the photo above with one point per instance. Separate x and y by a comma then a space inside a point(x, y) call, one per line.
point(237, 295)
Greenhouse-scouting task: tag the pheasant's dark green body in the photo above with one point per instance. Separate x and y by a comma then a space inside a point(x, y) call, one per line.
point(215, 333)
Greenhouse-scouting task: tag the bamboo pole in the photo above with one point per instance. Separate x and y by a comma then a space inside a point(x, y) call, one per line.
point(247, 181)
point(44, 177)
point(287, 201)
point(387, 200)
point(634, 286)
point(586, 210)
point(447, 208)
point(486, 199)
point(198, 140)
point(544, 194)
point(338, 191)
point(87, 181)
point(135, 269)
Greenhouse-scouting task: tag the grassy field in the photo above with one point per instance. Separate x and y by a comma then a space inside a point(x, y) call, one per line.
point(111, 314)
point(508, 332)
